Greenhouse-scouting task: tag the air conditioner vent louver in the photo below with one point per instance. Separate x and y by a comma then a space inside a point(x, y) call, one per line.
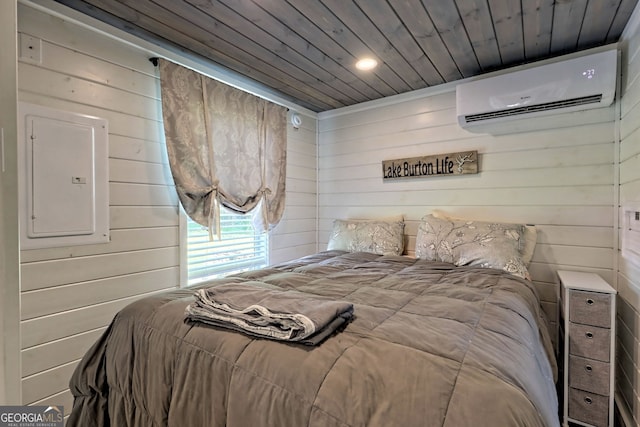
point(534, 108)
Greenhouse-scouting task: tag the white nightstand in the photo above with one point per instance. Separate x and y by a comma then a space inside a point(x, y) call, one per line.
point(587, 346)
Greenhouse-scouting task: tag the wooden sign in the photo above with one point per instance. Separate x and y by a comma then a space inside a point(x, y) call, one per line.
point(462, 163)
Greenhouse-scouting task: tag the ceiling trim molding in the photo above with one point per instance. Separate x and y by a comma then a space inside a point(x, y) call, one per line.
point(168, 51)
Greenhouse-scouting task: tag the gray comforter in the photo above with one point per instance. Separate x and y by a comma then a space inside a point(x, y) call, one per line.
point(430, 345)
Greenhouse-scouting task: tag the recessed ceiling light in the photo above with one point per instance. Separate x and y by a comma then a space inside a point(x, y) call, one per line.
point(366, 64)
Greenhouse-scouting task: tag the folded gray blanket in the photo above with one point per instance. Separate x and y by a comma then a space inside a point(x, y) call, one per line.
point(269, 313)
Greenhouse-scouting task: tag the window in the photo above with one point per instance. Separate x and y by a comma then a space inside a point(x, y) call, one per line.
point(240, 248)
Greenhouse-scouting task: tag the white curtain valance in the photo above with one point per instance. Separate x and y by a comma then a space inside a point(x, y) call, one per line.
point(226, 148)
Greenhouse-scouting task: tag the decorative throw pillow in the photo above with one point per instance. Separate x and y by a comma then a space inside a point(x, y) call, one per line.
point(530, 237)
point(472, 243)
point(374, 236)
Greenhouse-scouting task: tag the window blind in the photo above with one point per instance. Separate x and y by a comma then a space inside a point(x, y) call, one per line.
point(240, 248)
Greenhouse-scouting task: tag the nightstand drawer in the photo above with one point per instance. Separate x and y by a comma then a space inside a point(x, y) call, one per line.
point(589, 408)
point(590, 341)
point(590, 308)
point(589, 375)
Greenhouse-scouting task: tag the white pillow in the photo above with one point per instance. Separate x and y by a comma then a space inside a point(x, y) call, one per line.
point(528, 245)
point(472, 243)
point(368, 235)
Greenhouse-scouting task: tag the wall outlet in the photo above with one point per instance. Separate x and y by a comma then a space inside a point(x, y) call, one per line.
point(30, 48)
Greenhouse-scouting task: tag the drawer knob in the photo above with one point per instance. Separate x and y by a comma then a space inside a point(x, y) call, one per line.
point(588, 368)
point(588, 335)
point(588, 400)
point(590, 301)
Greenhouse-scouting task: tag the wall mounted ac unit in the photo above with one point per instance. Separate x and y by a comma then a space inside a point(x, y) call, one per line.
point(570, 85)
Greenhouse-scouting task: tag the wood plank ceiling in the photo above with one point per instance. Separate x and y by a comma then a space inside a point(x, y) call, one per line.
point(306, 50)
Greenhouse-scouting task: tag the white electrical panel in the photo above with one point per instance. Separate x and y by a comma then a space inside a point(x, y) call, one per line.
point(631, 234)
point(63, 178)
point(60, 156)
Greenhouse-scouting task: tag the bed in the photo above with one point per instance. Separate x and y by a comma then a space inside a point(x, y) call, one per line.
point(431, 343)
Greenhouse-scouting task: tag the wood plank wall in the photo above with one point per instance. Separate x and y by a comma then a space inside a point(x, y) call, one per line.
point(628, 340)
point(555, 172)
point(70, 294)
point(295, 235)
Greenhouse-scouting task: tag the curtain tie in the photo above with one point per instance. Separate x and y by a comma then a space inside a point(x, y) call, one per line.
point(263, 193)
point(214, 213)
